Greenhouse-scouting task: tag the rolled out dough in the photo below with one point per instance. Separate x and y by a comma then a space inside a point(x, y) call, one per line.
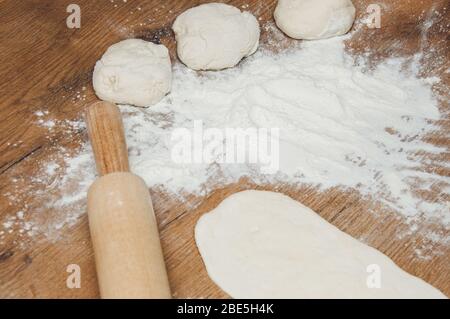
point(259, 244)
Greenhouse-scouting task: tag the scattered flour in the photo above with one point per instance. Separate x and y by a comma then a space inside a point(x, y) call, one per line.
point(340, 126)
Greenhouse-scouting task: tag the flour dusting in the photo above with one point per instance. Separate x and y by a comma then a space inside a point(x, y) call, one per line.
point(340, 126)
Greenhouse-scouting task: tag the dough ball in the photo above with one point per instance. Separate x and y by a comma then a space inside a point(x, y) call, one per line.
point(215, 36)
point(314, 19)
point(133, 72)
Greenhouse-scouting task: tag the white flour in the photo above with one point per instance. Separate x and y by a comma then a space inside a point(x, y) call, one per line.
point(340, 126)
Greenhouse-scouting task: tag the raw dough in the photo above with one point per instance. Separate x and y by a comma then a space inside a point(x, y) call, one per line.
point(215, 36)
point(133, 72)
point(314, 19)
point(259, 244)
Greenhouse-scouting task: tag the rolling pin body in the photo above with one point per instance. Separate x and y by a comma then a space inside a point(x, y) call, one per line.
point(124, 231)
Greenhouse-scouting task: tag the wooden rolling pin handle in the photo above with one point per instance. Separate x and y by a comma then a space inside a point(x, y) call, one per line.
point(105, 127)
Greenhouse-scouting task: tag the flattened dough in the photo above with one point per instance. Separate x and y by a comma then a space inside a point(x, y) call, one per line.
point(259, 244)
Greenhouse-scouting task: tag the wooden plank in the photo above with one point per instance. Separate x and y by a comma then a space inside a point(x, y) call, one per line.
point(45, 66)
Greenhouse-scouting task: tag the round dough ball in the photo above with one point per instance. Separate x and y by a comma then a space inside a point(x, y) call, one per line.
point(133, 72)
point(314, 19)
point(215, 36)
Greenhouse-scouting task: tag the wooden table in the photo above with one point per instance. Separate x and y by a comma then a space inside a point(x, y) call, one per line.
point(45, 65)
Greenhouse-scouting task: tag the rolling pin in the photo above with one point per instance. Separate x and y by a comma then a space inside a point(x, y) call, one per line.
point(124, 232)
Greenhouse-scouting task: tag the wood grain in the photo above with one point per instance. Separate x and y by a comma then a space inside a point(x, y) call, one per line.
point(107, 137)
point(47, 67)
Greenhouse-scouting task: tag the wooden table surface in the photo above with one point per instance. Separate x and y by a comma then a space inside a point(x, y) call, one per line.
point(44, 67)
